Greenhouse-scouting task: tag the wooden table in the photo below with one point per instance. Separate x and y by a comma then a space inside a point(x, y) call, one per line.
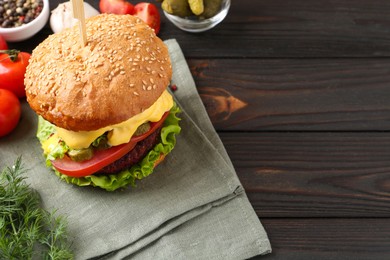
point(299, 92)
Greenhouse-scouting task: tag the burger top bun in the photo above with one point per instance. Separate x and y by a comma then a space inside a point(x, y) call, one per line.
point(121, 71)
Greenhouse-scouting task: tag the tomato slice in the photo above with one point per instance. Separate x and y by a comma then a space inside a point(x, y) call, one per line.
point(102, 158)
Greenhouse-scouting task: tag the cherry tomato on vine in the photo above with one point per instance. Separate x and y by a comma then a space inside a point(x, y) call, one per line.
point(116, 7)
point(149, 14)
point(12, 69)
point(3, 43)
point(10, 111)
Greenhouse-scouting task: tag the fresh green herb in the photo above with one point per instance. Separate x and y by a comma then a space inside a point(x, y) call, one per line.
point(27, 231)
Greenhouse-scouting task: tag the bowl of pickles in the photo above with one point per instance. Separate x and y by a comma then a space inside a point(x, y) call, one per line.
point(195, 15)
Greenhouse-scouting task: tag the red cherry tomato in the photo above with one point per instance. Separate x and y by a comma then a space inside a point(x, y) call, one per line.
point(149, 14)
point(102, 158)
point(3, 44)
point(12, 70)
point(116, 7)
point(10, 111)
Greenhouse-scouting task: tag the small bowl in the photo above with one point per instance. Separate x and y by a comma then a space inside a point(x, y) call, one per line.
point(25, 31)
point(194, 24)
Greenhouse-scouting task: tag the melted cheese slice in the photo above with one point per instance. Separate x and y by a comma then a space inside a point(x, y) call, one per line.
point(119, 133)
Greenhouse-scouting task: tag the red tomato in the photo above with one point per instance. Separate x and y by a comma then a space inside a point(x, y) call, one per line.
point(10, 111)
point(102, 158)
point(3, 44)
point(149, 14)
point(12, 71)
point(116, 7)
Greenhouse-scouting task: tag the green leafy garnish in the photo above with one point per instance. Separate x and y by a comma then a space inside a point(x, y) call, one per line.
point(27, 231)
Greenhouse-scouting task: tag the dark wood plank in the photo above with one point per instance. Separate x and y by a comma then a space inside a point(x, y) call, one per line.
point(300, 28)
point(336, 239)
point(278, 28)
point(295, 94)
point(313, 174)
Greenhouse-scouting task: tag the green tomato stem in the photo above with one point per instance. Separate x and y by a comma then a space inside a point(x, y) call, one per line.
point(13, 54)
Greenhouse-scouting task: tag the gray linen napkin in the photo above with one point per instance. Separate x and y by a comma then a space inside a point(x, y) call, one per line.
point(192, 207)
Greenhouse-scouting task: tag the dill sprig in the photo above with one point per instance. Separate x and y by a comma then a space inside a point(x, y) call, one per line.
point(27, 231)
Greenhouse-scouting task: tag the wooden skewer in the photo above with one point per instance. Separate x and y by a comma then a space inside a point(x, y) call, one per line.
point(78, 13)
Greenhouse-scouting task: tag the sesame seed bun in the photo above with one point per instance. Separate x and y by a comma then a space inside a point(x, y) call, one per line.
point(123, 69)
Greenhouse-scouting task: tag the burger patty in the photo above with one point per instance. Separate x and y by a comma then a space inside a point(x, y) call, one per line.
point(134, 156)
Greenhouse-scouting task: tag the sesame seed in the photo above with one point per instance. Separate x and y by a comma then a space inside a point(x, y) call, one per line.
point(135, 93)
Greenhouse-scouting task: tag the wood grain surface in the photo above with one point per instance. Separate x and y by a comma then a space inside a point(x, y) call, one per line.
point(299, 92)
point(339, 238)
point(313, 174)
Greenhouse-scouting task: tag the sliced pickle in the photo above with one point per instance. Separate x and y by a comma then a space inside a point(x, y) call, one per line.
point(101, 143)
point(79, 155)
point(145, 127)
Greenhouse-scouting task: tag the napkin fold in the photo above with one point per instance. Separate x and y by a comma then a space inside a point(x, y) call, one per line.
point(192, 207)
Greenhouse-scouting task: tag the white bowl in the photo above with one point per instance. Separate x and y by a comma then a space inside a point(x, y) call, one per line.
point(194, 24)
point(25, 31)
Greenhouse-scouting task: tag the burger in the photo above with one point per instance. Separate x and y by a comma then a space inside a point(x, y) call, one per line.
point(105, 115)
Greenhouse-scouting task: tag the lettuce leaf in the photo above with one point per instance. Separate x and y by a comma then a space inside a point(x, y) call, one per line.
point(111, 182)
